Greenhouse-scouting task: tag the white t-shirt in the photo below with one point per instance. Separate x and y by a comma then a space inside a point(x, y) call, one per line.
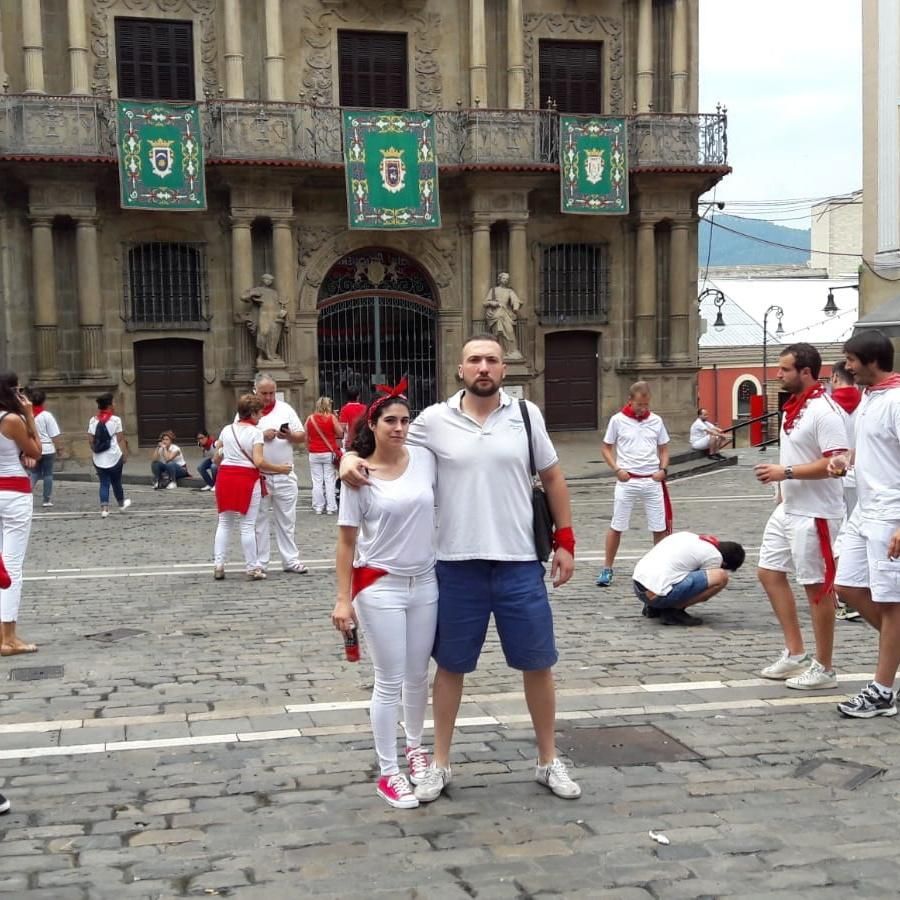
point(878, 455)
point(108, 458)
point(178, 458)
point(673, 559)
point(278, 450)
point(483, 479)
point(637, 442)
point(700, 430)
point(820, 429)
point(236, 438)
point(395, 518)
point(47, 429)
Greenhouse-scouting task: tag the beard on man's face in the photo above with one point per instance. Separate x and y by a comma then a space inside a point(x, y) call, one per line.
point(484, 387)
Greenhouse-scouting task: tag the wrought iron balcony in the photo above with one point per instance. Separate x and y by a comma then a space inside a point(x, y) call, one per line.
point(38, 125)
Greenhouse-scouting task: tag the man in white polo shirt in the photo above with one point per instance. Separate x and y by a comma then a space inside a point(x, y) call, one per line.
point(636, 448)
point(868, 575)
point(282, 431)
point(487, 562)
point(801, 530)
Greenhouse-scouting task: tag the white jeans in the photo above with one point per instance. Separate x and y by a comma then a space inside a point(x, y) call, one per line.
point(15, 526)
point(323, 476)
point(281, 507)
point(399, 618)
point(247, 524)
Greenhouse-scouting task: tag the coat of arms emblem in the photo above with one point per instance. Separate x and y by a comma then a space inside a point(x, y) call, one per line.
point(393, 170)
point(593, 165)
point(162, 157)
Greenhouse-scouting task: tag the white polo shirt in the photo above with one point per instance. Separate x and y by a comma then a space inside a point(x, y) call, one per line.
point(47, 429)
point(700, 430)
point(278, 450)
point(820, 429)
point(878, 455)
point(637, 442)
point(483, 481)
point(673, 559)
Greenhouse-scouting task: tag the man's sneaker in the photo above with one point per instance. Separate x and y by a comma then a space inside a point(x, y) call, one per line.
point(297, 568)
point(650, 612)
point(556, 777)
point(396, 791)
point(104, 513)
point(47, 504)
point(172, 485)
point(206, 487)
point(786, 666)
point(815, 678)
point(604, 579)
point(4, 805)
point(846, 613)
point(418, 761)
point(868, 703)
point(432, 781)
point(5, 579)
point(125, 504)
point(678, 617)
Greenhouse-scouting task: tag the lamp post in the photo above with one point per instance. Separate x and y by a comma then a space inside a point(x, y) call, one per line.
point(718, 300)
point(831, 308)
point(779, 330)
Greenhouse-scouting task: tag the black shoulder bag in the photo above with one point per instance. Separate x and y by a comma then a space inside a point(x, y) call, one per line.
point(542, 520)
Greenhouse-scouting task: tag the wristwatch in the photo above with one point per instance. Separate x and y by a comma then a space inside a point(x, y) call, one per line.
point(789, 472)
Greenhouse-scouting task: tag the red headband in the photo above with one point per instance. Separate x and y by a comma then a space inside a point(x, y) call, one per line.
point(398, 392)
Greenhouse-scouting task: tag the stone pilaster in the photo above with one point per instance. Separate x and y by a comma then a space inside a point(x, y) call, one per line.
point(679, 284)
point(90, 306)
point(518, 265)
point(680, 54)
point(234, 54)
point(241, 279)
point(481, 265)
point(274, 52)
point(645, 307)
point(644, 91)
point(477, 55)
point(44, 292)
point(33, 46)
point(78, 48)
point(515, 56)
point(285, 276)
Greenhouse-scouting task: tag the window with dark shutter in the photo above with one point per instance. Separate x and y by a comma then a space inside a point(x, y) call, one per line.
point(373, 69)
point(571, 74)
point(574, 283)
point(155, 59)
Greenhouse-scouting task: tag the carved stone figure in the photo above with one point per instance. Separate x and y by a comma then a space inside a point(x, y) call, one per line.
point(266, 319)
point(501, 311)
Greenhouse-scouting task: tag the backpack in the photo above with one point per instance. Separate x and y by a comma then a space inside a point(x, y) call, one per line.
point(102, 438)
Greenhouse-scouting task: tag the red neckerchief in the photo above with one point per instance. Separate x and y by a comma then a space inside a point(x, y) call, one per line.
point(267, 409)
point(710, 539)
point(892, 381)
point(104, 415)
point(208, 443)
point(36, 410)
point(793, 409)
point(847, 398)
point(398, 392)
point(628, 411)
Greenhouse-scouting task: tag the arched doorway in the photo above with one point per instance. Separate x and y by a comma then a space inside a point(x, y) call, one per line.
point(377, 324)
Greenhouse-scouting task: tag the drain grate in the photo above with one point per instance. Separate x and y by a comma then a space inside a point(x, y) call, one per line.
point(36, 673)
point(622, 745)
point(117, 634)
point(839, 773)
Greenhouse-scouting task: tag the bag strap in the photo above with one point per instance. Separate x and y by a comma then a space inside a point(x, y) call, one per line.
point(523, 409)
point(237, 440)
point(325, 440)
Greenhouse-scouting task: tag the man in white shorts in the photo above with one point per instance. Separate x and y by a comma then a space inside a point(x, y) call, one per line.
point(868, 577)
point(706, 436)
point(801, 530)
point(636, 448)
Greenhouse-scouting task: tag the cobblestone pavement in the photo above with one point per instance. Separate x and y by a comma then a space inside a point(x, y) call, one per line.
point(221, 747)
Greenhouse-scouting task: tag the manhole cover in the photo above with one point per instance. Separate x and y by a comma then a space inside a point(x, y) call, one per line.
point(839, 773)
point(622, 745)
point(36, 673)
point(117, 634)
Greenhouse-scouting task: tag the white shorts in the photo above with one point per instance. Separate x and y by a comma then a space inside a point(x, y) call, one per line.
point(701, 443)
point(791, 544)
point(864, 560)
point(648, 492)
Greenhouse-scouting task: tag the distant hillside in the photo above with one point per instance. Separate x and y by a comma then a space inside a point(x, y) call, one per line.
point(730, 249)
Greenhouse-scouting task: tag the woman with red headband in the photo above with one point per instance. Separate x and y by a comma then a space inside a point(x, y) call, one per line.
point(385, 577)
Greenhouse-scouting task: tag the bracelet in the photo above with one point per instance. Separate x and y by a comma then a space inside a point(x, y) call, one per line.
point(565, 538)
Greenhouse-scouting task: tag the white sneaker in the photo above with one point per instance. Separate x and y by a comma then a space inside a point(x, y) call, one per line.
point(171, 485)
point(431, 783)
point(104, 513)
point(206, 487)
point(47, 504)
point(556, 777)
point(125, 504)
point(814, 678)
point(786, 666)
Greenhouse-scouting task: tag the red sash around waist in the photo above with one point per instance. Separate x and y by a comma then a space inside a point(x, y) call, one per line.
point(364, 577)
point(21, 484)
point(234, 488)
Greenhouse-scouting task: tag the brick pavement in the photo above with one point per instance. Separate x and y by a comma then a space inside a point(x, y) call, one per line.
point(224, 749)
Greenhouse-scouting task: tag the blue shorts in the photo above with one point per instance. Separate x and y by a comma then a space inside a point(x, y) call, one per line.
point(470, 590)
point(680, 593)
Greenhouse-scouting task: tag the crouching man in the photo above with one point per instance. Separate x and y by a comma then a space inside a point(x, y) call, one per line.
point(681, 570)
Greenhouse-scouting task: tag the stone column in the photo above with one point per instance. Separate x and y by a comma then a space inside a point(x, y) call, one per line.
point(645, 308)
point(44, 291)
point(33, 45)
point(518, 265)
point(477, 55)
point(274, 52)
point(241, 262)
point(285, 274)
point(234, 55)
point(644, 91)
point(515, 56)
point(78, 49)
point(3, 78)
point(680, 57)
point(481, 266)
point(679, 283)
point(90, 305)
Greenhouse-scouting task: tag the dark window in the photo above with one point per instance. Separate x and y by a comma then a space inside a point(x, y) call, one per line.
point(572, 75)
point(574, 283)
point(662, 55)
point(155, 59)
point(166, 286)
point(746, 390)
point(373, 69)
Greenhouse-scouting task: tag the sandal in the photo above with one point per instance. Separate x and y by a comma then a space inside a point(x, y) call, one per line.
point(256, 575)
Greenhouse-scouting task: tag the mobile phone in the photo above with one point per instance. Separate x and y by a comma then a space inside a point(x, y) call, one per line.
point(285, 428)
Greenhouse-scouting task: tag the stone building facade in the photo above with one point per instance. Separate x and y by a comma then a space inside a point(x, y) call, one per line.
point(149, 304)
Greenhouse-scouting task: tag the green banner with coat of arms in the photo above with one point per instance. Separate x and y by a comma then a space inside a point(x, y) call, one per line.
point(392, 173)
point(160, 151)
point(593, 164)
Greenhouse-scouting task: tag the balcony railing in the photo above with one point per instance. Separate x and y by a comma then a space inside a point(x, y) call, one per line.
point(37, 125)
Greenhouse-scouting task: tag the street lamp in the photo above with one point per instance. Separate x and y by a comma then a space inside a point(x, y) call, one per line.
point(831, 308)
point(718, 300)
point(779, 330)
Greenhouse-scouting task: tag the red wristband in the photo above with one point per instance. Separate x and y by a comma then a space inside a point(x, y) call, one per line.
point(565, 538)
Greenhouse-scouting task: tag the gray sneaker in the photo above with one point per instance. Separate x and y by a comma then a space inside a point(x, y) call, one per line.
point(431, 783)
point(556, 777)
point(785, 667)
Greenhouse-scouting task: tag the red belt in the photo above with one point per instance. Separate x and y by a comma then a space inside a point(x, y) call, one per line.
point(364, 577)
point(667, 501)
point(21, 484)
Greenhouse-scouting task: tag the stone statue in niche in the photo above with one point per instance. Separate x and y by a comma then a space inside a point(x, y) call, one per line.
point(501, 311)
point(266, 319)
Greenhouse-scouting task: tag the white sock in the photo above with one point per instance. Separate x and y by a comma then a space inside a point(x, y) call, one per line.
point(884, 691)
point(797, 657)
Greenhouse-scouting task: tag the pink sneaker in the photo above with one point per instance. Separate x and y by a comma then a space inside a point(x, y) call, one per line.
point(418, 760)
point(396, 791)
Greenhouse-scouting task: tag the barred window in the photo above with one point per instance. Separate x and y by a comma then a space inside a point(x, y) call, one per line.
point(574, 283)
point(166, 286)
point(746, 390)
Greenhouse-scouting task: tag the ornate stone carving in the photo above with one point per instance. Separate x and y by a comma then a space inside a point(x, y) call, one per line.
point(309, 240)
point(559, 25)
point(101, 17)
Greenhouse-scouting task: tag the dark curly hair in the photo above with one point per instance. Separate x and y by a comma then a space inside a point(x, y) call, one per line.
point(364, 439)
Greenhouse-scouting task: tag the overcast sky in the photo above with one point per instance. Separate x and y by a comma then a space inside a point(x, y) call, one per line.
point(789, 72)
